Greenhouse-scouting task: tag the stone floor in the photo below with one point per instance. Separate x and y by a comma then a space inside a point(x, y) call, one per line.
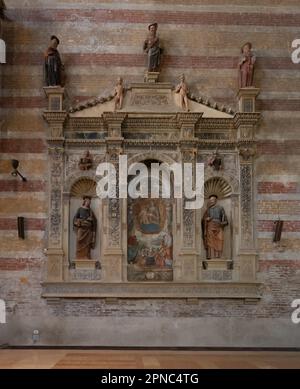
point(147, 359)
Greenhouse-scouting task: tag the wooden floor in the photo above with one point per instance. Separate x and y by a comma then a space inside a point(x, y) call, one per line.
point(139, 359)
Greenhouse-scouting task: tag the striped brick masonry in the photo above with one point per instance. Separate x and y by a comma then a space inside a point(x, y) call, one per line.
point(101, 41)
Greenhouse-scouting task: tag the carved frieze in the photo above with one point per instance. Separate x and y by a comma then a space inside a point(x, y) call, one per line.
point(246, 205)
point(188, 215)
point(149, 99)
point(56, 156)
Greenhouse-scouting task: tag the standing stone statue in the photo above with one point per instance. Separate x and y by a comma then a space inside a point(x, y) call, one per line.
point(152, 48)
point(246, 66)
point(85, 224)
point(119, 94)
point(53, 64)
point(213, 223)
point(183, 90)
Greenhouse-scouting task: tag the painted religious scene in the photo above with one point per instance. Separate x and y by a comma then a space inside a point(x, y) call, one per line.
point(150, 240)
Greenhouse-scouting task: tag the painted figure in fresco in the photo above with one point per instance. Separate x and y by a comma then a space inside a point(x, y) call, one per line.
point(213, 223)
point(150, 241)
point(119, 94)
point(152, 48)
point(86, 162)
point(53, 64)
point(246, 66)
point(183, 90)
point(85, 224)
point(149, 218)
point(164, 254)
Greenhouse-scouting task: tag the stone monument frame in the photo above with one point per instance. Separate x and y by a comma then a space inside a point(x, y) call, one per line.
point(175, 136)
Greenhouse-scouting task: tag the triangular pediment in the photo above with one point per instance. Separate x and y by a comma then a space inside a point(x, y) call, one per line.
point(151, 98)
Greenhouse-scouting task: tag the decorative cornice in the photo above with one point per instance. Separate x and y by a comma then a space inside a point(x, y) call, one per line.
point(232, 290)
point(215, 124)
point(151, 142)
point(151, 122)
point(55, 116)
point(216, 143)
point(114, 119)
point(245, 118)
point(85, 142)
point(188, 118)
point(85, 122)
point(200, 143)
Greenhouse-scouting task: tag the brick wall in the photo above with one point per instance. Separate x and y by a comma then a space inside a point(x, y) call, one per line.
point(103, 40)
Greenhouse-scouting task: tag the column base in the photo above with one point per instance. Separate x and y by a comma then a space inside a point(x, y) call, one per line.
point(55, 264)
point(247, 265)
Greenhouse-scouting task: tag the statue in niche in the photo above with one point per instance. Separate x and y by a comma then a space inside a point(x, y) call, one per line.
point(246, 66)
point(215, 161)
point(183, 91)
point(152, 48)
point(86, 162)
point(85, 224)
point(213, 223)
point(119, 93)
point(53, 64)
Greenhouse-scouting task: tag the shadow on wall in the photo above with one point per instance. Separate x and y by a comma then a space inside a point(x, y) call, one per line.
point(2, 312)
point(2, 51)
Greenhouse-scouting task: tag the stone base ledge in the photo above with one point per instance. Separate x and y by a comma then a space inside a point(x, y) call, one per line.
point(222, 264)
point(153, 290)
point(85, 264)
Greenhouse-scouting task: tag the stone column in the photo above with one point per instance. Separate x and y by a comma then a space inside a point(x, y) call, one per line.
point(55, 139)
point(113, 256)
point(189, 256)
point(246, 124)
point(54, 251)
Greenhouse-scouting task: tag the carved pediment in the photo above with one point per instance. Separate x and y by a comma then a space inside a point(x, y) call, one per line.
point(147, 97)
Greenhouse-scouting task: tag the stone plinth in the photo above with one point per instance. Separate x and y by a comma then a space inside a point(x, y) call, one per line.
point(247, 99)
point(85, 263)
point(55, 95)
point(151, 77)
point(217, 263)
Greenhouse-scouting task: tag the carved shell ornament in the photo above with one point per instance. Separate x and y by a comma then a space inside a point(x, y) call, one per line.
point(84, 187)
point(217, 186)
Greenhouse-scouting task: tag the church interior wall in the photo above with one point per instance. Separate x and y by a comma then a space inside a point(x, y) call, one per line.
point(100, 43)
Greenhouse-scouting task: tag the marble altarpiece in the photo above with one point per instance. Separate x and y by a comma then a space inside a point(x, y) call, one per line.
point(151, 248)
